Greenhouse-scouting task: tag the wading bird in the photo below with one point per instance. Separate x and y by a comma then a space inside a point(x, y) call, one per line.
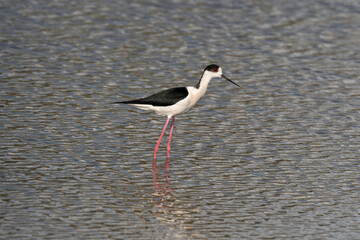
point(174, 101)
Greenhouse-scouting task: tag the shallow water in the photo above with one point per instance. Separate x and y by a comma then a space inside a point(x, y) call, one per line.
point(277, 158)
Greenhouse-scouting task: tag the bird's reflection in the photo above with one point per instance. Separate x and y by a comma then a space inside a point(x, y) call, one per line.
point(168, 208)
point(163, 193)
point(161, 185)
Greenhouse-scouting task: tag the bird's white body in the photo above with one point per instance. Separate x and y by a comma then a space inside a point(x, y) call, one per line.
point(184, 105)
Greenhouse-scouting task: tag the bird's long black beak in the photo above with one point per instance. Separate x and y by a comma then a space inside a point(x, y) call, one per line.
point(223, 76)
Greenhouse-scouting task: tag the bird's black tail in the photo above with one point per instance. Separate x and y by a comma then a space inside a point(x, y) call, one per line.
point(123, 102)
point(126, 102)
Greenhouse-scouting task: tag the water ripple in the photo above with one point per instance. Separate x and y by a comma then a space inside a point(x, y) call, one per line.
point(276, 159)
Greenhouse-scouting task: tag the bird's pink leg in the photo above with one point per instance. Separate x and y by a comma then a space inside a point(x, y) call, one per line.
point(169, 142)
point(158, 142)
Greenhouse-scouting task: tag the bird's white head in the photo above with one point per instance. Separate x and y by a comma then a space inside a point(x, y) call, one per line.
point(213, 71)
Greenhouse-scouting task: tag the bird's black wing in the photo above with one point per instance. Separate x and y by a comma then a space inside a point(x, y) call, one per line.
point(164, 98)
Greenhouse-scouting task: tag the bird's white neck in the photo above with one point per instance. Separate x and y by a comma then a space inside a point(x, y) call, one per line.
point(200, 89)
point(204, 82)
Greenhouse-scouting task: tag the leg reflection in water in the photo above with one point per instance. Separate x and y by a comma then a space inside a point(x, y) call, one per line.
point(159, 185)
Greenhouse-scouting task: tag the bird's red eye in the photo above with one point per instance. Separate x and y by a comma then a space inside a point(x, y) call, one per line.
point(215, 69)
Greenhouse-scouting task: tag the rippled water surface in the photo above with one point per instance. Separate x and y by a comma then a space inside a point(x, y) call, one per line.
point(277, 158)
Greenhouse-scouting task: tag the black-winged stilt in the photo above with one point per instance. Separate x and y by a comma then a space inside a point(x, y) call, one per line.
point(174, 101)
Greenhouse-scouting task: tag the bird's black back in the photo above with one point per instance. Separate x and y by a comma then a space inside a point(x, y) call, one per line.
point(164, 98)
